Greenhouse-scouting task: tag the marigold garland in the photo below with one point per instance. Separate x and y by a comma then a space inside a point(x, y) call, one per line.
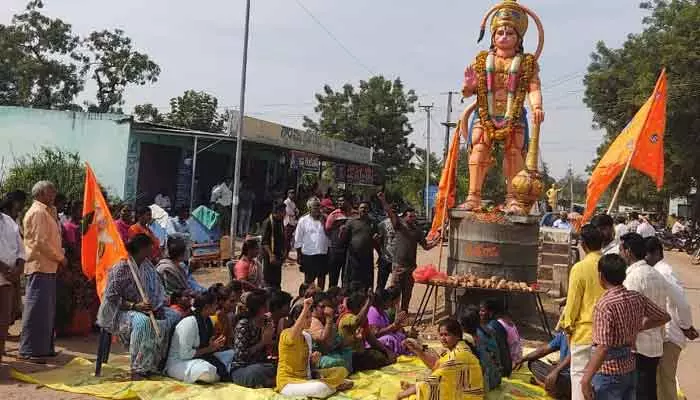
point(527, 70)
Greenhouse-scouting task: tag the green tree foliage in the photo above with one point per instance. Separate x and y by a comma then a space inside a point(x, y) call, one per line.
point(115, 65)
point(63, 168)
point(195, 110)
point(620, 80)
point(44, 64)
point(148, 113)
point(409, 183)
point(372, 115)
point(41, 61)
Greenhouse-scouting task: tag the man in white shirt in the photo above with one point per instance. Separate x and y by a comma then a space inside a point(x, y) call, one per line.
point(678, 329)
point(290, 218)
point(562, 222)
point(645, 229)
point(604, 224)
point(12, 259)
point(162, 200)
point(633, 223)
point(221, 200)
point(620, 227)
point(311, 243)
point(646, 280)
point(678, 226)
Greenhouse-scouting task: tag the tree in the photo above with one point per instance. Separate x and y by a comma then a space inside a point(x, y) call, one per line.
point(409, 183)
point(374, 115)
point(148, 113)
point(196, 110)
point(63, 168)
point(619, 81)
point(115, 64)
point(41, 62)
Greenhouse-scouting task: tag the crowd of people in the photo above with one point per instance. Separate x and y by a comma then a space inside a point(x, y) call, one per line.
point(611, 340)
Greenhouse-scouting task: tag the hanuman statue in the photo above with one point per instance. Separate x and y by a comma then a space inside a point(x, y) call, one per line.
point(502, 78)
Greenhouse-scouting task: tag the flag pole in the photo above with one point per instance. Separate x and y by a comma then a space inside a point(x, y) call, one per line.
point(619, 185)
point(139, 286)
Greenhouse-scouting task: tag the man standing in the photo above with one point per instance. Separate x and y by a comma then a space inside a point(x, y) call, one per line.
point(12, 258)
point(12, 206)
point(633, 223)
point(311, 243)
point(359, 234)
point(408, 237)
point(620, 227)
point(290, 218)
point(245, 209)
point(584, 291)
point(678, 329)
point(620, 316)
point(605, 225)
point(645, 229)
point(221, 200)
point(387, 243)
point(338, 248)
point(647, 281)
point(274, 246)
point(42, 242)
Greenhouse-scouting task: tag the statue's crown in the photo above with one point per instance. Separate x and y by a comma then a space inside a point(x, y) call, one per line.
point(509, 13)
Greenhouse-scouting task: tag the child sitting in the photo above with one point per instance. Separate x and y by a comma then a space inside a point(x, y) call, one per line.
point(181, 302)
point(513, 337)
point(488, 312)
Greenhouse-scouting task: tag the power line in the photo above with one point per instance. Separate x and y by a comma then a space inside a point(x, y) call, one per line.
point(332, 36)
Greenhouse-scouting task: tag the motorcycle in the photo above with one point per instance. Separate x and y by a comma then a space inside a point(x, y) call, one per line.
point(673, 242)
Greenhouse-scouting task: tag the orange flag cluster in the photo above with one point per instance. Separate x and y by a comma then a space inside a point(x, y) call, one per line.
point(447, 190)
point(102, 246)
point(641, 144)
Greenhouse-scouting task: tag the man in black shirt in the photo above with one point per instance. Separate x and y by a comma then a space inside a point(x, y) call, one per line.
point(360, 234)
point(408, 237)
point(274, 246)
point(338, 248)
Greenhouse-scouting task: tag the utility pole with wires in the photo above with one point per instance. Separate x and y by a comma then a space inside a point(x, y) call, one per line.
point(427, 110)
point(448, 124)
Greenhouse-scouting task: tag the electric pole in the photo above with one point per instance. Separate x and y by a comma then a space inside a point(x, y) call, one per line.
point(447, 123)
point(427, 110)
point(571, 183)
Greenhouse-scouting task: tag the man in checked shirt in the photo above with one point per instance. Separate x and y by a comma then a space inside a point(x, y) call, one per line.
point(619, 316)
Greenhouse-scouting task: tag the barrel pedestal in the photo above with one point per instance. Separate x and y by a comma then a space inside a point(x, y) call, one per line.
point(486, 245)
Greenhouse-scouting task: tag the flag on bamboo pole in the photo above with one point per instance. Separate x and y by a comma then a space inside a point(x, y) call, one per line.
point(102, 247)
point(641, 144)
point(447, 190)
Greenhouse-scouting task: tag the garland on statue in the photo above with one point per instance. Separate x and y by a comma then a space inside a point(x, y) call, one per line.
point(519, 76)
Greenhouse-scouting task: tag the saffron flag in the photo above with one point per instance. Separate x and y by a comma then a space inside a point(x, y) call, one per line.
point(447, 190)
point(102, 247)
point(641, 144)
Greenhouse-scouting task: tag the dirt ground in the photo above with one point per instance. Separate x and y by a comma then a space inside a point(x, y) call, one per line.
point(529, 325)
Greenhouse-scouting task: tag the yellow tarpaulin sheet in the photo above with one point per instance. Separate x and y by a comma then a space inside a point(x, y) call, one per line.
point(78, 377)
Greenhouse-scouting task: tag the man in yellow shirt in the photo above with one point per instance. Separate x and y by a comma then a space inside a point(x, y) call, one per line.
point(584, 292)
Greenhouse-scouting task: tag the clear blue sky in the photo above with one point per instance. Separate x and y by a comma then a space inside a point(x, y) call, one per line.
point(426, 43)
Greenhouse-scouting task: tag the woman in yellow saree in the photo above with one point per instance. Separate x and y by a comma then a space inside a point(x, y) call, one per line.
point(456, 374)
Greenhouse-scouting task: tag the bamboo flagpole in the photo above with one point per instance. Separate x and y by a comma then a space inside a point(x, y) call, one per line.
point(619, 185)
point(144, 297)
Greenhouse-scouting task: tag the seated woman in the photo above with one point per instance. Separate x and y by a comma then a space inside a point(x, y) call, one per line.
point(124, 313)
point(279, 313)
point(485, 345)
point(252, 342)
point(171, 269)
point(390, 334)
point(295, 371)
point(326, 339)
point(227, 298)
point(456, 375)
point(248, 269)
point(195, 351)
point(181, 302)
point(367, 352)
